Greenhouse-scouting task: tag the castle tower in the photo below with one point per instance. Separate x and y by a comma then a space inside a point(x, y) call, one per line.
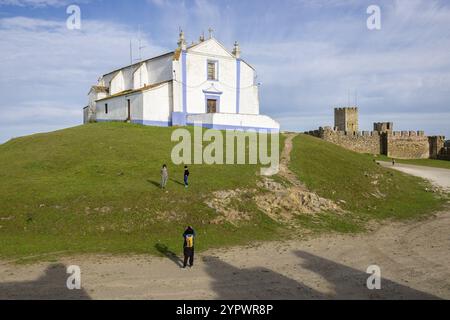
point(437, 145)
point(346, 119)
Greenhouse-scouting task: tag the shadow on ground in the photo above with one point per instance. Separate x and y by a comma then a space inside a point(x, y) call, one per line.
point(155, 183)
point(230, 282)
point(177, 182)
point(164, 250)
point(50, 286)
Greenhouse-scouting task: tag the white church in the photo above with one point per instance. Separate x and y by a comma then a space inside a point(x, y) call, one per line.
point(199, 84)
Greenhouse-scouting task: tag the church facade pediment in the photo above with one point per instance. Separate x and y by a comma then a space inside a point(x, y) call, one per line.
point(211, 47)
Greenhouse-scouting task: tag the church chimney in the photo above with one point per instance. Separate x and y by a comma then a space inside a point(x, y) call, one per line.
point(182, 41)
point(236, 50)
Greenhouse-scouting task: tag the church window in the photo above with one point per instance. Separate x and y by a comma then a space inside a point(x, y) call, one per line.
point(212, 70)
point(106, 108)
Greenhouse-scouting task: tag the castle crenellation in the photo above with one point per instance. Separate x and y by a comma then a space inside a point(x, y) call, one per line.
point(382, 140)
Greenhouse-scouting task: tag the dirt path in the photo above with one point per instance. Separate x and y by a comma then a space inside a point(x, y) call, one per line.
point(285, 159)
point(438, 176)
point(414, 259)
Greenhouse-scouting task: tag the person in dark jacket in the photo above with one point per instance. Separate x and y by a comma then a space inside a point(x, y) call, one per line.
point(186, 176)
point(188, 246)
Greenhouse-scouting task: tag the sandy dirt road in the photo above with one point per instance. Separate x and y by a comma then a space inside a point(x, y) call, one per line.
point(414, 258)
point(438, 176)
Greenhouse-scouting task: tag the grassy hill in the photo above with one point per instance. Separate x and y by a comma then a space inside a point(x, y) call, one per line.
point(95, 188)
point(359, 185)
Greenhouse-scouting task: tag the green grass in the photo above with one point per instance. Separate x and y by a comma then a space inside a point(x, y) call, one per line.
point(359, 185)
point(418, 162)
point(95, 188)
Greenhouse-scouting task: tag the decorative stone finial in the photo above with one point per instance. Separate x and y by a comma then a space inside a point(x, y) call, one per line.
point(182, 41)
point(236, 50)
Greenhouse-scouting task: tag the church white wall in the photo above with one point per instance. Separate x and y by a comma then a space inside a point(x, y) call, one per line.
point(136, 76)
point(128, 77)
point(197, 82)
point(86, 115)
point(158, 105)
point(117, 83)
point(118, 108)
point(140, 77)
point(249, 100)
point(160, 69)
point(177, 86)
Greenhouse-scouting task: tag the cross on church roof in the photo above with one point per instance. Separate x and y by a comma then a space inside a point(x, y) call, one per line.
point(211, 31)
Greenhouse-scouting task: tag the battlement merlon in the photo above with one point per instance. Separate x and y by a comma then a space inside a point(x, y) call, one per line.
point(346, 109)
point(407, 133)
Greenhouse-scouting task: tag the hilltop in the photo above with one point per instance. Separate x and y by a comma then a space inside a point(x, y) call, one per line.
point(95, 189)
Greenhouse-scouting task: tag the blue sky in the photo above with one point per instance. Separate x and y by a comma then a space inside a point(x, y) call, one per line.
point(309, 56)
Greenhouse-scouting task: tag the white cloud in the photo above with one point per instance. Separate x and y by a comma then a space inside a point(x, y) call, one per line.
point(403, 69)
point(39, 3)
point(47, 70)
point(308, 55)
point(16, 23)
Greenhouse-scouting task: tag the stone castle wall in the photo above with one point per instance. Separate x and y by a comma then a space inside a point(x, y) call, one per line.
point(439, 148)
point(382, 140)
point(408, 145)
point(397, 144)
point(444, 154)
point(364, 142)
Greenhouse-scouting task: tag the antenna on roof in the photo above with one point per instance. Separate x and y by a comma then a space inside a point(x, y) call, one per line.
point(140, 45)
point(131, 53)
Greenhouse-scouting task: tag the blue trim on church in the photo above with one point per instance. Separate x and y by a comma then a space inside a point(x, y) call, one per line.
point(184, 79)
point(178, 118)
point(156, 123)
point(231, 127)
point(153, 123)
point(238, 85)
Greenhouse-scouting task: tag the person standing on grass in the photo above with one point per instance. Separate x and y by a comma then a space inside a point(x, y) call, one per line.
point(186, 177)
point(393, 162)
point(164, 176)
point(188, 246)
